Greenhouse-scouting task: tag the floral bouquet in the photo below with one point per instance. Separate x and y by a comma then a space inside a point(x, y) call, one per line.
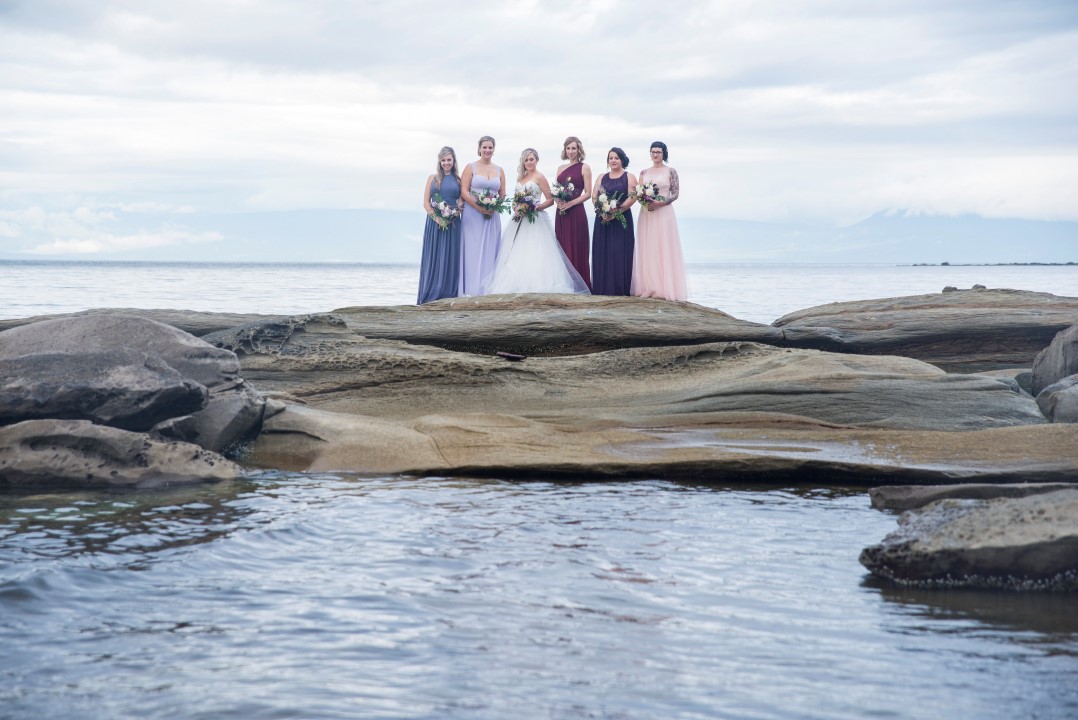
point(647, 193)
point(524, 206)
point(492, 201)
point(608, 208)
point(444, 213)
point(563, 193)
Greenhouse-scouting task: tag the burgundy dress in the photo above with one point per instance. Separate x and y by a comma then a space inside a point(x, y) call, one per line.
point(571, 229)
point(612, 252)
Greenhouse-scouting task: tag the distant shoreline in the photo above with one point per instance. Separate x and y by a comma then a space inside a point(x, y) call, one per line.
point(1015, 264)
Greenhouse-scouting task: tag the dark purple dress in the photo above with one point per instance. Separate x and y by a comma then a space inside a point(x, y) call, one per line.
point(612, 246)
point(571, 229)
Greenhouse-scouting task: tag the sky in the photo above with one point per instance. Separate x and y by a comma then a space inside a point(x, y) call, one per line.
point(126, 126)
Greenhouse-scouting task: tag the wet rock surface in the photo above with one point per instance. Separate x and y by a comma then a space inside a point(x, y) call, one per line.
point(900, 498)
point(1020, 543)
point(959, 331)
point(42, 454)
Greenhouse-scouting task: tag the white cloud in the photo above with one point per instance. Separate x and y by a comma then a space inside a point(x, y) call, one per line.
point(822, 111)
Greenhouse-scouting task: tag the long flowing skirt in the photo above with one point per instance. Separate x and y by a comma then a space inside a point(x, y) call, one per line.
point(658, 265)
point(612, 257)
point(532, 261)
point(480, 238)
point(439, 271)
point(571, 230)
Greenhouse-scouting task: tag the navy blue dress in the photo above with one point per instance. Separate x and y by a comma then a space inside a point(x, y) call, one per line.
point(612, 246)
point(439, 273)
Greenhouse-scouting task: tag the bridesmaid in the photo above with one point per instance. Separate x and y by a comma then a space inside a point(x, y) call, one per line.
point(658, 266)
point(480, 233)
point(571, 222)
point(612, 248)
point(439, 273)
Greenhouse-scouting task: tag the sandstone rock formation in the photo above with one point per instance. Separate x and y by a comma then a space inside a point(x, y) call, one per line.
point(232, 408)
point(963, 331)
point(1058, 360)
point(1059, 401)
point(1026, 543)
point(43, 454)
point(122, 388)
point(195, 322)
point(319, 360)
point(900, 498)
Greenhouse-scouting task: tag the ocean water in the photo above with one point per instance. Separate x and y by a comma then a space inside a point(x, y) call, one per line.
point(292, 595)
point(759, 293)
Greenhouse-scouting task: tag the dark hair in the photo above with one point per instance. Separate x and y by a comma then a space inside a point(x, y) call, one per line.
point(659, 144)
point(621, 154)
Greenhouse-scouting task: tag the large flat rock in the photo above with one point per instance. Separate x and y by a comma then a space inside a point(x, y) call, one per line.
point(195, 322)
point(719, 448)
point(536, 324)
point(320, 361)
point(961, 331)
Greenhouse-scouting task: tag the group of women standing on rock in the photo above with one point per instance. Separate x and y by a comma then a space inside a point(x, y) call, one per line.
point(466, 250)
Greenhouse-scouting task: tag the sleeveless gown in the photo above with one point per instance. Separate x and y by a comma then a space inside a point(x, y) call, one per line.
point(571, 228)
point(612, 246)
point(479, 239)
point(439, 272)
point(658, 265)
point(531, 260)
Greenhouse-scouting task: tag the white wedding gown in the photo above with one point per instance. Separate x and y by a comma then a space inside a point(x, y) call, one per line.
point(530, 260)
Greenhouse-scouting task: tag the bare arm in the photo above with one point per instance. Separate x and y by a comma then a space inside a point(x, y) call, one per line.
point(465, 188)
point(545, 187)
point(585, 194)
point(427, 208)
point(628, 202)
point(501, 188)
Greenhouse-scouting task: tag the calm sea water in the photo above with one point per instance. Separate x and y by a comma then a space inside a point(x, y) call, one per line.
point(333, 596)
point(760, 293)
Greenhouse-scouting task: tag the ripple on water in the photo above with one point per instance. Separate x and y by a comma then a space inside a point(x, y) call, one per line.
point(328, 596)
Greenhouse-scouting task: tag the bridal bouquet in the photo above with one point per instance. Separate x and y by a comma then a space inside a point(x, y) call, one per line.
point(647, 193)
point(444, 213)
point(492, 201)
point(524, 206)
point(608, 208)
point(563, 193)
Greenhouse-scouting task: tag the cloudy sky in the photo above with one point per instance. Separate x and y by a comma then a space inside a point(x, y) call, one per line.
point(820, 112)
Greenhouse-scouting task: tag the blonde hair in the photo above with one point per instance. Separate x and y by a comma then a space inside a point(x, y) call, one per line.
point(579, 146)
point(479, 145)
point(520, 168)
point(441, 173)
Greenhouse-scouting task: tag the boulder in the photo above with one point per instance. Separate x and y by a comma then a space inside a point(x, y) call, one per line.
point(536, 324)
point(232, 411)
point(1057, 361)
point(1059, 401)
point(122, 388)
point(319, 360)
point(195, 322)
point(961, 331)
point(1023, 543)
point(43, 454)
point(900, 498)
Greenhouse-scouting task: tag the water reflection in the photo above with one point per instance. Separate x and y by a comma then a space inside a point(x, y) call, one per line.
point(1051, 615)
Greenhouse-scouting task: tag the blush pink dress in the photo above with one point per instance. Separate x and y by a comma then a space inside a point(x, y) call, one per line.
point(658, 265)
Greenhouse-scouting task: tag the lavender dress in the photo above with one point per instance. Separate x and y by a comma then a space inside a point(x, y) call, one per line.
point(480, 238)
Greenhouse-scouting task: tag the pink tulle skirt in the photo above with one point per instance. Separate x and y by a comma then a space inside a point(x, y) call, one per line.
point(658, 266)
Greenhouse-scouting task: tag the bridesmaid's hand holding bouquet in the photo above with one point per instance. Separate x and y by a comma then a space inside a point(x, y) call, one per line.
point(608, 208)
point(647, 193)
point(562, 193)
point(444, 214)
point(491, 203)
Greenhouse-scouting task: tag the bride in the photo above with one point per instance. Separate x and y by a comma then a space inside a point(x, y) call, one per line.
point(530, 260)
